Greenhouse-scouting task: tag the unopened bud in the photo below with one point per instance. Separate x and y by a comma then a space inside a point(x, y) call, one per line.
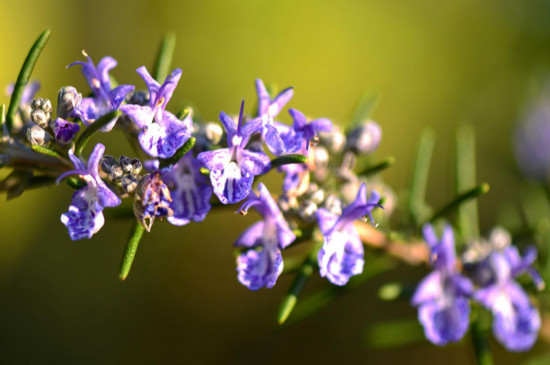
point(40, 117)
point(129, 183)
point(333, 140)
point(68, 98)
point(140, 97)
point(136, 166)
point(107, 163)
point(43, 104)
point(307, 211)
point(126, 164)
point(365, 138)
point(37, 136)
point(213, 132)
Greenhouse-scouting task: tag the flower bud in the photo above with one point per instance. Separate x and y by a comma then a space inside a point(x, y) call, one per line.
point(213, 132)
point(333, 140)
point(129, 183)
point(107, 163)
point(333, 204)
point(37, 136)
point(40, 117)
point(307, 211)
point(136, 166)
point(365, 138)
point(139, 97)
point(68, 98)
point(43, 104)
point(126, 164)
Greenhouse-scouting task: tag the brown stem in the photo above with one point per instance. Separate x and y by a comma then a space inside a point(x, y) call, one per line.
point(413, 253)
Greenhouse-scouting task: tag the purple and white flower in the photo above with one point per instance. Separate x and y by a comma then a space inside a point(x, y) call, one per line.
point(85, 215)
point(303, 132)
point(443, 296)
point(232, 169)
point(162, 133)
point(63, 130)
point(516, 322)
point(104, 99)
point(267, 110)
point(261, 264)
point(190, 191)
point(341, 256)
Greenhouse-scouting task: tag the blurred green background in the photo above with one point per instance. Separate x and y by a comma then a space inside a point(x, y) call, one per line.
point(434, 64)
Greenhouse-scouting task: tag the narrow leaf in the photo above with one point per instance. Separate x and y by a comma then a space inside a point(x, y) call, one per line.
point(179, 153)
point(164, 57)
point(94, 127)
point(303, 275)
point(461, 199)
point(365, 108)
point(24, 76)
point(2, 118)
point(288, 159)
point(466, 179)
point(480, 337)
point(46, 151)
point(394, 333)
point(204, 171)
point(130, 252)
point(381, 166)
point(419, 182)
point(75, 183)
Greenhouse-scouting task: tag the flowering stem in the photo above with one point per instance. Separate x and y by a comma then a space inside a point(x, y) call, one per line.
point(179, 153)
point(288, 159)
point(130, 252)
point(303, 275)
point(24, 76)
point(94, 127)
point(378, 167)
point(420, 176)
point(461, 199)
point(164, 58)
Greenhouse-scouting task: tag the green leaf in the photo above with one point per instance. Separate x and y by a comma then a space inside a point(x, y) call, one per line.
point(94, 127)
point(461, 199)
point(466, 179)
point(204, 171)
point(365, 108)
point(75, 182)
point(24, 76)
point(394, 333)
point(130, 252)
point(179, 153)
point(46, 151)
point(2, 118)
point(288, 159)
point(164, 57)
point(304, 273)
point(421, 171)
point(381, 166)
point(480, 335)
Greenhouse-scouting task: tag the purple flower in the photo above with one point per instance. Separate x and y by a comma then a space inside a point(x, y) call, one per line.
point(261, 264)
point(232, 169)
point(190, 191)
point(104, 100)
point(302, 131)
point(152, 200)
point(162, 133)
point(267, 110)
point(442, 297)
point(63, 130)
point(342, 253)
point(516, 321)
point(85, 215)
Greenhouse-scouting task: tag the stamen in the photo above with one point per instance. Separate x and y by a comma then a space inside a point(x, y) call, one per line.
point(243, 212)
point(84, 53)
point(240, 118)
point(160, 101)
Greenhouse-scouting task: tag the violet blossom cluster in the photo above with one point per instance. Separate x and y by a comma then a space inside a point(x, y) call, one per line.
point(182, 187)
point(489, 269)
